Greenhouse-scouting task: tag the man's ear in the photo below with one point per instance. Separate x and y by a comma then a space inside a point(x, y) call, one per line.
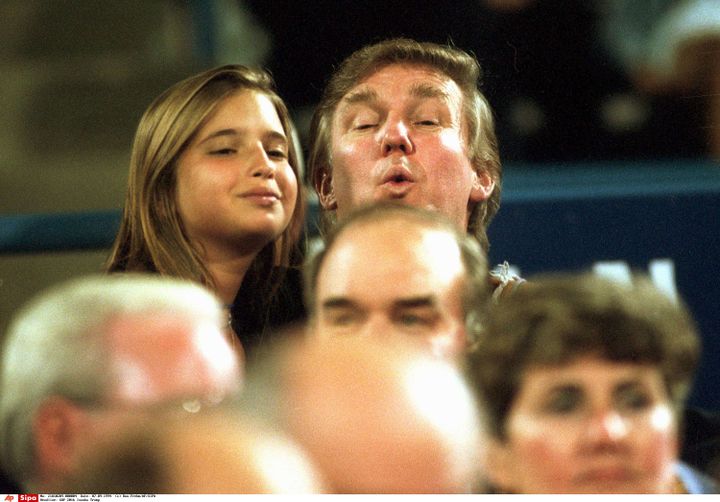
point(57, 426)
point(326, 194)
point(482, 186)
point(499, 465)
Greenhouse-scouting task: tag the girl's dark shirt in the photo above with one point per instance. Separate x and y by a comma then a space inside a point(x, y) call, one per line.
point(258, 316)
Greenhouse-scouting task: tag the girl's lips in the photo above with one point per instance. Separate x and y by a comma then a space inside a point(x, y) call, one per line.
point(265, 199)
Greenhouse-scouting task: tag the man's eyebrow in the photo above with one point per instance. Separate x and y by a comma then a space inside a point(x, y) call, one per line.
point(564, 386)
point(338, 302)
point(415, 302)
point(425, 90)
point(419, 90)
point(361, 96)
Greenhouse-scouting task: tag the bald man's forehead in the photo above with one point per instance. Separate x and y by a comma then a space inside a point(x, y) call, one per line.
point(404, 250)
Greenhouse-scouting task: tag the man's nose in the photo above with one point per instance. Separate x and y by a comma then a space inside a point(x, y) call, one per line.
point(377, 326)
point(396, 137)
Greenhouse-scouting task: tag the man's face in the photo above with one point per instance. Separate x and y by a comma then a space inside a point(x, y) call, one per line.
point(393, 278)
point(159, 363)
point(400, 135)
point(164, 363)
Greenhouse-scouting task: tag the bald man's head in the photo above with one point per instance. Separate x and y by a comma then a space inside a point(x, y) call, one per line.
point(378, 416)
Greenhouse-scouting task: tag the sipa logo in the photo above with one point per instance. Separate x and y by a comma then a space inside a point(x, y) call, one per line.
point(28, 498)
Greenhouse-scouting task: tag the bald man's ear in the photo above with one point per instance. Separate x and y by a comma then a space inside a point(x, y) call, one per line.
point(57, 426)
point(499, 465)
point(326, 194)
point(482, 186)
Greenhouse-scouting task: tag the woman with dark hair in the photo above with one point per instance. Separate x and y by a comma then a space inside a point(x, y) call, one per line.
point(584, 382)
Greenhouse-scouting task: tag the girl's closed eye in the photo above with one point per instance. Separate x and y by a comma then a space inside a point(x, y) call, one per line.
point(223, 152)
point(277, 153)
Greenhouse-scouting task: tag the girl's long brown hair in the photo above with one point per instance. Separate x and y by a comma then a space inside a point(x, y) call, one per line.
point(151, 236)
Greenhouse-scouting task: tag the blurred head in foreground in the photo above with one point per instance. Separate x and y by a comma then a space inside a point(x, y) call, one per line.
point(375, 416)
point(584, 380)
point(218, 452)
point(92, 355)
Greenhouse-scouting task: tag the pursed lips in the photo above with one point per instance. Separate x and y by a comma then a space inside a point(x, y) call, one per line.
point(397, 172)
point(397, 180)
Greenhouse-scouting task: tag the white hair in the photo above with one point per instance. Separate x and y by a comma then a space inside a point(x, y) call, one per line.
point(55, 345)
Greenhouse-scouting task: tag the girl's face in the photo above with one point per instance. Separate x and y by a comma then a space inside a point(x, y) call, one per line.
point(235, 190)
point(591, 426)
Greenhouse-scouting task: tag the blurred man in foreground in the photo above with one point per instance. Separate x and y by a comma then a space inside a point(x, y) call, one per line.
point(217, 452)
point(89, 357)
point(375, 416)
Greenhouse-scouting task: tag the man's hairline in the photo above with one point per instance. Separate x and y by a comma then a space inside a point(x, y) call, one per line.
point(379, 68)
point(418, 90)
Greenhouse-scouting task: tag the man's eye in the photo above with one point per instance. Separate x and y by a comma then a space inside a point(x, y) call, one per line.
point(343, 319)
point(277, 154)
point(362, 127)
point(428, 122)
point(413, 320)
